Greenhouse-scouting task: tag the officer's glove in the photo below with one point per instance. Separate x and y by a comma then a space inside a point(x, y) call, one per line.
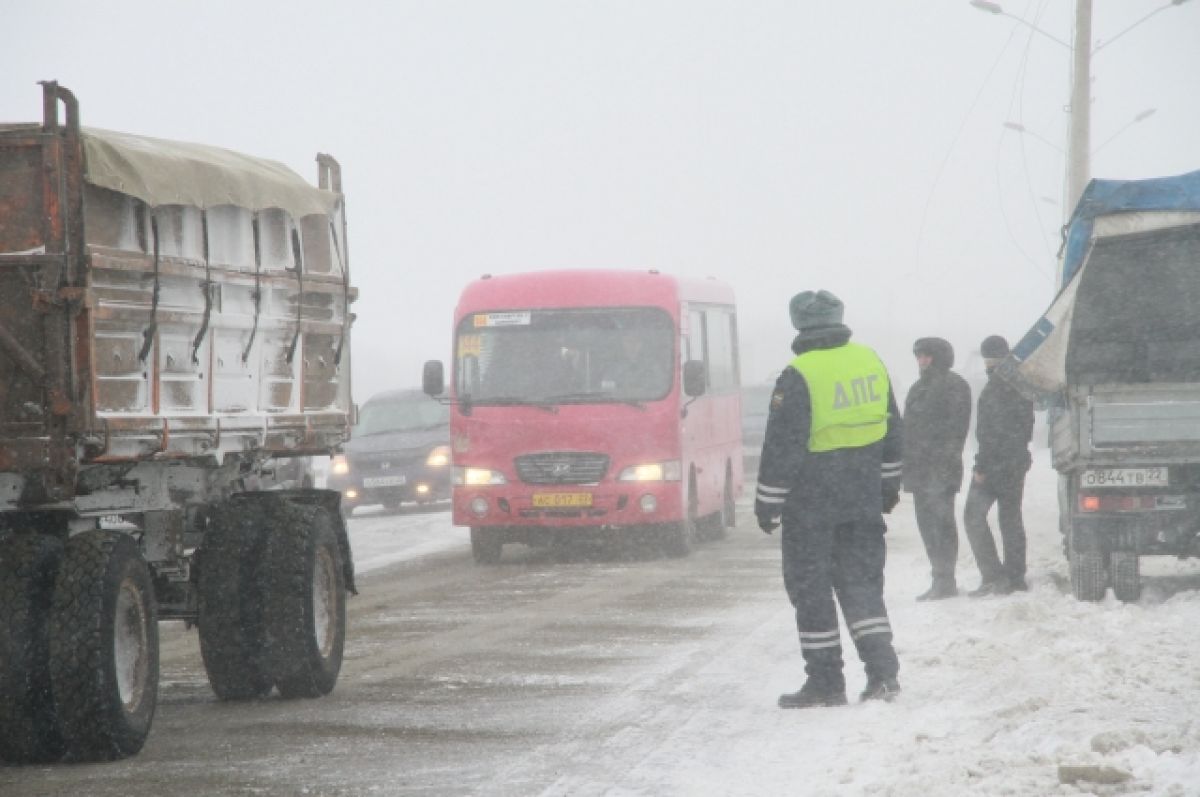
point(767, 515)
point(891, 497)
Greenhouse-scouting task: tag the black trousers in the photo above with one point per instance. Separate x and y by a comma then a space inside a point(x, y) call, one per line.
point(821, 560)
point(1006, 495)
point(939, 531)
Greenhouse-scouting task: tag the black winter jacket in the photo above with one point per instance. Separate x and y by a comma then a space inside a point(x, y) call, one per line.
point(1003, 427)
point(937, 416)
point(828, 486)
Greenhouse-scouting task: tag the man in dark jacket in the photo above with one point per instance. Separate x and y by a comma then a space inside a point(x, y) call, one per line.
point(937, 414)
point(1003, 428)
point(830, 466)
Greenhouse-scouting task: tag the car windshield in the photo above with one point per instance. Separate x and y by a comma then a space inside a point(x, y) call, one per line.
point(401, 415)
point(581, 355)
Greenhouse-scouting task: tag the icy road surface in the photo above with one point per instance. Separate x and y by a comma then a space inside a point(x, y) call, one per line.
point(602, 676)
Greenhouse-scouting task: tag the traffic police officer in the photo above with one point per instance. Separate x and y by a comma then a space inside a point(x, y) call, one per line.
point(830, 466)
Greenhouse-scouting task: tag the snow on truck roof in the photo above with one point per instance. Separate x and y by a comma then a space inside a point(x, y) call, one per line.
point(161, 172)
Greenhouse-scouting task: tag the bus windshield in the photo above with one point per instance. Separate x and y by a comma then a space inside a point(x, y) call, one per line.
point(564, 356)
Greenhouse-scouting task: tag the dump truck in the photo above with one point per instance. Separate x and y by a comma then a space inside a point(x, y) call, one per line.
point(1116, 357)
point(174, 328)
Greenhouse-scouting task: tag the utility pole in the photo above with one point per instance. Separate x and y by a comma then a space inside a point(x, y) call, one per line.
point(1080, 134)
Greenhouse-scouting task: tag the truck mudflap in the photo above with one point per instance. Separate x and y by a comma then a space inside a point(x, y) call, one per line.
point(331, 501)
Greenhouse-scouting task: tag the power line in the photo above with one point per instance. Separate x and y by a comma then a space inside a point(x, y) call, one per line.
point(950, 151)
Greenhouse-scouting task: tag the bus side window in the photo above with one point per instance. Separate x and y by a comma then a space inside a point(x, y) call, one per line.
point(721, 349)
point(697, 348)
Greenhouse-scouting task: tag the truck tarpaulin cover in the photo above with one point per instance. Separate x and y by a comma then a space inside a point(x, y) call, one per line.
point(1143, 236)
point(172, 173)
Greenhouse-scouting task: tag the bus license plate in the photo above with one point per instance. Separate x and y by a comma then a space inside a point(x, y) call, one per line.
point(550, 500)
point(1125, 477)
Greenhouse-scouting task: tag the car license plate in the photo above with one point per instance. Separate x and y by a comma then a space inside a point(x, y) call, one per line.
point(384, 481)
point(1124, 477)
point(550, 500)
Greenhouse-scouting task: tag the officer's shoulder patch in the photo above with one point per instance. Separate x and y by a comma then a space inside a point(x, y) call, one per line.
point(777, 398)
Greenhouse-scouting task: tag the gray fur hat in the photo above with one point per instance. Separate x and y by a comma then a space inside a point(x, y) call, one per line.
point(816, 313)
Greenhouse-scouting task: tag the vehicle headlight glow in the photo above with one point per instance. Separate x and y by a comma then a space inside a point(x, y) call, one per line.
point(668, 471)
point(478, 476)
point(438, 457)
point(339, 466)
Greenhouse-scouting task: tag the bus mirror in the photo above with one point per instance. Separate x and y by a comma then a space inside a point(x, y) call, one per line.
point(433, 380)
point(693, 378)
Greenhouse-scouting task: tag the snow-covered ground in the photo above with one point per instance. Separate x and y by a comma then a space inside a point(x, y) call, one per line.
point(1028, 694)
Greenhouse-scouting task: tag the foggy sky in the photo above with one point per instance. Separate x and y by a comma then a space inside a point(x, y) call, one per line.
point(780, 146)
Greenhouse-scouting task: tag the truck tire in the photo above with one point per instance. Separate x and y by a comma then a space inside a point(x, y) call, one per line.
point(29, 728)
point(1126, 576)
point(1066, 503)
point(1089, 578)
point(486, 545)
point(304, 598)
point(229, 590)
point(104, 647)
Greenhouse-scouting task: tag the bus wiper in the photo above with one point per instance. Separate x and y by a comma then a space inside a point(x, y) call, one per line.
point(515, 401)
point(596, 394)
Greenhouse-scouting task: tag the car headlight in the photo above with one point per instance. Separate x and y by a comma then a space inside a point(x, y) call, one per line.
point(668, 471)
point(339, 466)
point(438, 457)
point(477, 476)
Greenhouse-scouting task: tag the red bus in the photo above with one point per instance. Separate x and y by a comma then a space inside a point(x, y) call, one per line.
point(593, 400)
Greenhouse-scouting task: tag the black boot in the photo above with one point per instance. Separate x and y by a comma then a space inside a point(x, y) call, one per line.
point(996, 586)
point(940, 590)
point(884, 689)
point(815, 694)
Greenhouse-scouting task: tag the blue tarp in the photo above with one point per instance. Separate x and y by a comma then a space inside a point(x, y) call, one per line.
point(1102, 197)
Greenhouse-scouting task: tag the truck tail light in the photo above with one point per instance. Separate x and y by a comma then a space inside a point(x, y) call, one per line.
point(1128, 503)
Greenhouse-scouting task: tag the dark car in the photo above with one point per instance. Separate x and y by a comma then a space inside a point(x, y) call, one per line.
point(399, 451)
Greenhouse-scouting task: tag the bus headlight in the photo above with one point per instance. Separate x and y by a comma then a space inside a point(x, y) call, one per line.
point(478, 476)
point(438, 457)
point(668, 471)
point(339, 466)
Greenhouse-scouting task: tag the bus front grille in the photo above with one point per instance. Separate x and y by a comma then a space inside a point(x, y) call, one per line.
point(562, 467)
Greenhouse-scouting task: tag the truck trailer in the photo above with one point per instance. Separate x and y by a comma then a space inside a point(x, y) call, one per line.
point(174, 326)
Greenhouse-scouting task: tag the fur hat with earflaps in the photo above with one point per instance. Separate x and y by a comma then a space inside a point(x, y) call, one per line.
point(817, 314)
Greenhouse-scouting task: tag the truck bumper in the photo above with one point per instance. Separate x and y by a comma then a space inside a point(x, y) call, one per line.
point(1149, 533)
point(639, 504)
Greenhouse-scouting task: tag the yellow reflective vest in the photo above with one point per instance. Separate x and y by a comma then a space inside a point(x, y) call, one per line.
point(848, 390)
